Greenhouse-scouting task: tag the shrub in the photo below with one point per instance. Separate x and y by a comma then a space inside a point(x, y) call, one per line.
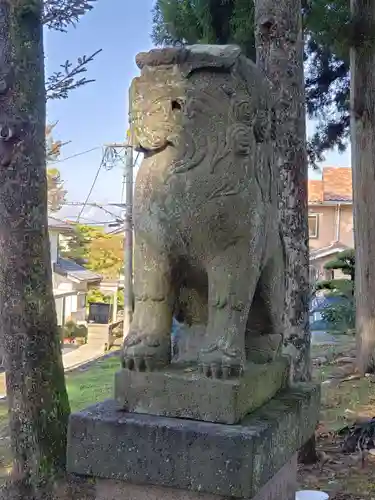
point(73, 331)
point(341, 316)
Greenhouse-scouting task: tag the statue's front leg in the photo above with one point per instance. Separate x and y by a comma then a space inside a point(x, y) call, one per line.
point(148, 344)
point(232, 282)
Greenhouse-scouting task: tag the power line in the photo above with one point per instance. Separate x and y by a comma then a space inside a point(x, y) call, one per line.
point(70, 218)
point(74, 156)
point(91, 190)
point(95, 205)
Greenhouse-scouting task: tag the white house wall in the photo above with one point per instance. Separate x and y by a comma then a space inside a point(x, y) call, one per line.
point(62, 284)
point(54, 245)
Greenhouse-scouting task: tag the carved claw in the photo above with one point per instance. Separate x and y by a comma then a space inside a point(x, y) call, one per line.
point(145, 353)
point(129, 363)
point(218, 361)
point(139, 363)
point(206, 370)
point(215, 370)
point(226, 372)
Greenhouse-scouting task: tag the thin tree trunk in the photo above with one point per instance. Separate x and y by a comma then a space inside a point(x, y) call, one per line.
point(279, 47)
point(37, 397)
point(362, 91)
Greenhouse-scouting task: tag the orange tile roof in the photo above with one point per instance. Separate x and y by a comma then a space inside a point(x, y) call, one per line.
point(336, 185)
point(315, 191)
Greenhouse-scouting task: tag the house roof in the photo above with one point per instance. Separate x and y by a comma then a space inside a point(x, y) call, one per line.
point(335, 186)
point(59, 225)
point(70, 269)
point(315, 191)
point(331, 249)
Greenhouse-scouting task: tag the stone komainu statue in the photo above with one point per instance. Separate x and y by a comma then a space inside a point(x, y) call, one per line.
point(205, 208)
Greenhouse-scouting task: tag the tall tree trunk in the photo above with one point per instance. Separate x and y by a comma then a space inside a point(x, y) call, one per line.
point(279, 46)
point(37, 397)
point(362, 92)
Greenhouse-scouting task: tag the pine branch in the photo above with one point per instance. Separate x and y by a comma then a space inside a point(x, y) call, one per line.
point(69, 77)
point(60, 14)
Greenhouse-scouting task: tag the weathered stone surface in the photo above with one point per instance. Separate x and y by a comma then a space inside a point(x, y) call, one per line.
point(281, 487)
point(182, 391)
point(205, 208)
point(226, 460)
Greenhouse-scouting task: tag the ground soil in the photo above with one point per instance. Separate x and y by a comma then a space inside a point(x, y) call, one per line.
point(346, 398)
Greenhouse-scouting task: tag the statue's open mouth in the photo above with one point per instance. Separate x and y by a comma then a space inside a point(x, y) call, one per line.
point(149, 152)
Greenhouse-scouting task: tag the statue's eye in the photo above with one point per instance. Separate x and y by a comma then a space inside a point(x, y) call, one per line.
point(176, 105)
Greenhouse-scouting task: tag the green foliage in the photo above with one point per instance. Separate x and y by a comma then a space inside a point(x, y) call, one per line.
point(327, 77)
point(106, 254)
point(341, 316)
point(345, 262)
point(336, 287)
point(179, 22)
point(59, 15)
point(93, 248)
point(95, 295)
point(77, 246)
point(327, 35)
point(73, 331)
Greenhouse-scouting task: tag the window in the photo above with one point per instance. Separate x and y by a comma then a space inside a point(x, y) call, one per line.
point(313, 225)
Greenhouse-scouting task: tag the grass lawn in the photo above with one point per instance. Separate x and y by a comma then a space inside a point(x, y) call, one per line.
point(85, 387)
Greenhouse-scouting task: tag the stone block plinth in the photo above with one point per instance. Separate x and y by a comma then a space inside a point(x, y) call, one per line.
point(181, 391)
point(236, 461)
point(281, 487)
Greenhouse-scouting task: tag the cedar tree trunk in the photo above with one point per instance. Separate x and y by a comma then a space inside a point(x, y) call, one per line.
point(362, 92)
point(37, 397)
point(279, 47)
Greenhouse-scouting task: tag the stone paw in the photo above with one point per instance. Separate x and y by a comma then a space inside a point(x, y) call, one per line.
point(216, 363)
point(146, 353)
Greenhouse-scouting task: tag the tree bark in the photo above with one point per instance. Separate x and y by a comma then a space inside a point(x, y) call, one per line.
point(37, 397)
point(279, 47)
point(362, 92)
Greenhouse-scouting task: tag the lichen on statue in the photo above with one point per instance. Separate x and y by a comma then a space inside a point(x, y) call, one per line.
point(205, 209)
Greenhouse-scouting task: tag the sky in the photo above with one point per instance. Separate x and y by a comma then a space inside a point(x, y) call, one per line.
point(97, 113)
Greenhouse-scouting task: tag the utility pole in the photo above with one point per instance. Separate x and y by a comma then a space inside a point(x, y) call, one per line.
point(112, 155)
point(128, 240)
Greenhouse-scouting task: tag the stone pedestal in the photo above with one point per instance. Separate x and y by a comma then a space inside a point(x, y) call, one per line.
point(154, 457)
point(181, 391)
point(282, 486)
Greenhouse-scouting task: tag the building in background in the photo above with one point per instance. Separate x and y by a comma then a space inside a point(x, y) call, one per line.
point(71, 282)
point(330, 219)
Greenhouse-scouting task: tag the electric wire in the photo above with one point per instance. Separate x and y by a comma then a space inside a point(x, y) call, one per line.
point(74, 156)
point(91, 190)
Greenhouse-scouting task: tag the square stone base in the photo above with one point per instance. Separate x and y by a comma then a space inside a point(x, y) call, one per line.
point(234, 461)
point(181, 391)
point(281, 487)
